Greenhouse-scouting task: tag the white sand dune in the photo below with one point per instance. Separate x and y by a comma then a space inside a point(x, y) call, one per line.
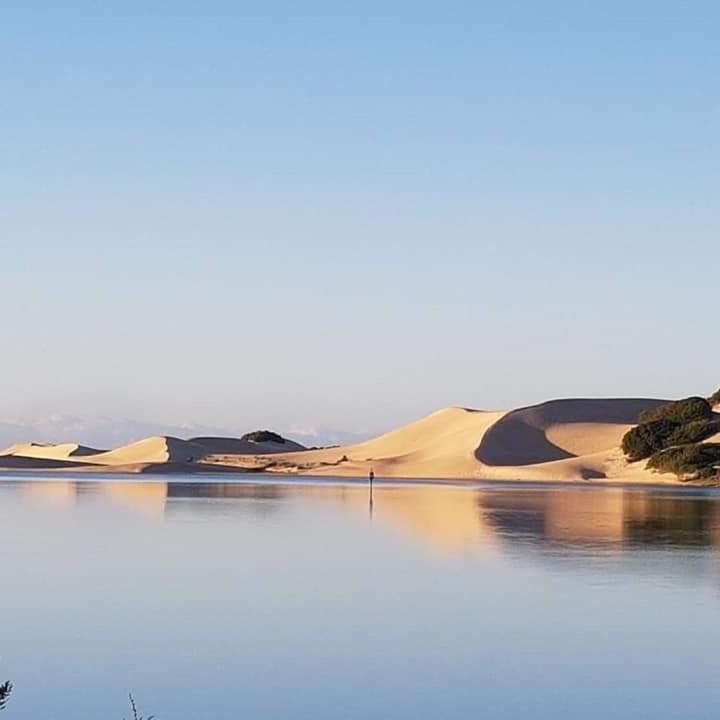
point(152, 450)
point(440, 445)
point(159, 453)
point(559, 440)
point(564, 440)
point(49, 451)
point(560, 430)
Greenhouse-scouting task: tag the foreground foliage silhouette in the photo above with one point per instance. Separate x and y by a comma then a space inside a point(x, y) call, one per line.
point(5, 690)
point(135, 714)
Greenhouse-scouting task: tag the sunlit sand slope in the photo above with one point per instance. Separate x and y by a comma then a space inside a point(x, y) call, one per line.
point(49, 451)
point(564, 440)
point(441, 445)
point(158, 449)
point(153, 454)
point(559, 440)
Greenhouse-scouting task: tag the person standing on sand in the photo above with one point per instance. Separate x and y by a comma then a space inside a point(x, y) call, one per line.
point(371, 477)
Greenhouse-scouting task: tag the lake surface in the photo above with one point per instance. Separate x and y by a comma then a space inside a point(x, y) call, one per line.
point(275, 600)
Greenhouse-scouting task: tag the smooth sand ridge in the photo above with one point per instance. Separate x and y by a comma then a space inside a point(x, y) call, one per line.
point(560, 440)
point(166, 449)
point(152, 450)
point(441, 445)
point(159, 450)
point(560, 429)
point(49, 451)
point(566, 440)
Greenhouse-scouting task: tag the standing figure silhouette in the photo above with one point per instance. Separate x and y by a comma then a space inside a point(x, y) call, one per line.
point(371, 477)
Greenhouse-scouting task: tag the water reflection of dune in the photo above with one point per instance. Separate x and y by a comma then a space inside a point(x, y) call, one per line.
point(259, 500)
point(453, 518)
point(52, 492)
point(226, 491)
point(672, 520)
point(450, 518)
point(576, 515)
point(447, 518)
point(148, 498)
point(611, 516)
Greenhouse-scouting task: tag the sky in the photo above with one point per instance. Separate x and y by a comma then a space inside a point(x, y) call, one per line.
point(320, 214)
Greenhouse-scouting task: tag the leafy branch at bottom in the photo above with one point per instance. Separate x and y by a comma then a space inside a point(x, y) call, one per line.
point(5, 690)
point(135, 714)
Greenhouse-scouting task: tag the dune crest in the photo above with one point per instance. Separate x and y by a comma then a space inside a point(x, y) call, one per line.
point(49, 451)
point(160, 449)
point(558, 440)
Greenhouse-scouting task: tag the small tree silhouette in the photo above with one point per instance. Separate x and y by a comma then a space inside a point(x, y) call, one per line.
point(5, 690)
point(135, 714)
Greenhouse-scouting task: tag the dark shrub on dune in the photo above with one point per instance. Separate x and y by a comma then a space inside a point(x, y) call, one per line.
point(714, 399)
point(263, 436)
point(690, 462)
point(672, 436)
point(644, 440)
point(681, 411)
point(693, 432)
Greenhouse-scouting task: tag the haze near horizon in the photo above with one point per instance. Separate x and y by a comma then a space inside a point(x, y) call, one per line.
point(243, 216)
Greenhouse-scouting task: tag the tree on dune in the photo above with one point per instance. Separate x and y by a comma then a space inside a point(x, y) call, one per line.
point(674, 438)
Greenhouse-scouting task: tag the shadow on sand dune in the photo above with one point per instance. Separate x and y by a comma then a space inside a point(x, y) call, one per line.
point(12, 462)
point(520, 437)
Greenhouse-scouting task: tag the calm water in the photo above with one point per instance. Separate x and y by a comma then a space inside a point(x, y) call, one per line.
point(269, 601)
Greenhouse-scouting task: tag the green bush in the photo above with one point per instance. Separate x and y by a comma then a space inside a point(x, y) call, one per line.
point(671, 436)
point(714, 399)
point(644, 440)
point(688, 461)
point(693, 432)
point(263, 436)
point(681, 411)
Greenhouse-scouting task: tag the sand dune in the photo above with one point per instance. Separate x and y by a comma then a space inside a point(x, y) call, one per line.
point(158, 449)
point(154, 454)
point(440, 445)
point(49, 451)
point(559, 430)
point(564, 440)
point(559, 440)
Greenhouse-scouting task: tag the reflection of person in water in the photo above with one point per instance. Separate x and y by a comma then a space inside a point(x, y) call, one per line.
point(371, 477)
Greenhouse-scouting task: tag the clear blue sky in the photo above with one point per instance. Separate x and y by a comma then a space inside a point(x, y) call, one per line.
point(348, 215)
